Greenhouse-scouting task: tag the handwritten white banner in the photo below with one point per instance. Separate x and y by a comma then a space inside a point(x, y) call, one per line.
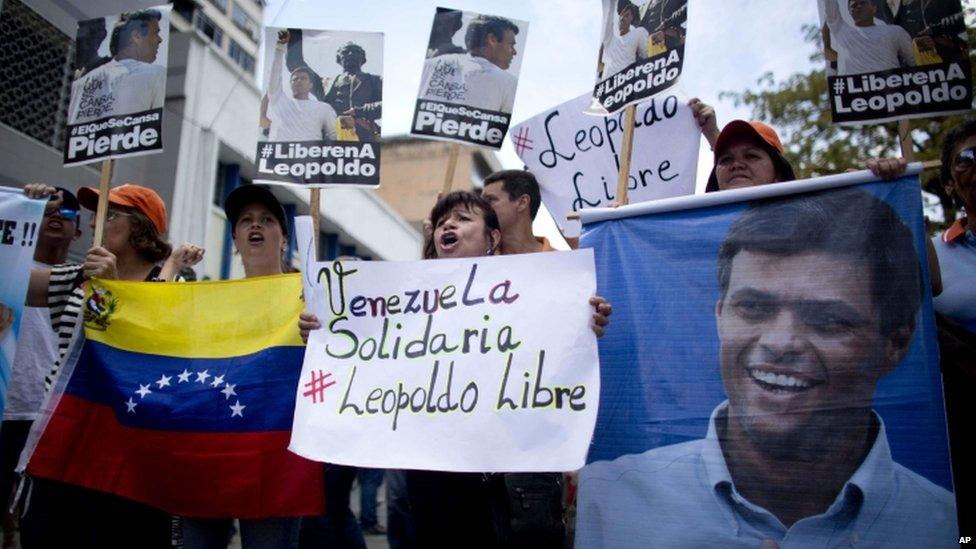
point(482, 364)
point(576, 156)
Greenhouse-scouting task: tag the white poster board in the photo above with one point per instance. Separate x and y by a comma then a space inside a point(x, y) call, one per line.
point(576, 156)
point(481, 364)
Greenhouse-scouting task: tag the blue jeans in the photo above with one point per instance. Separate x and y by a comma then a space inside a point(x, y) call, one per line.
point(369, 484)
point(269, 533)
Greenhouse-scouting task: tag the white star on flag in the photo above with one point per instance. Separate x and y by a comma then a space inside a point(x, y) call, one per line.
point(130, 406)
point(218, 380)
point(185, 376)
point(237, 409)
point(143, 390)
point(164, 381)
point(229, 390)
point(202, 376)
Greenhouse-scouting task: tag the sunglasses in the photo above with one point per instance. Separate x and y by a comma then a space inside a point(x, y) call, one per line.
point(64, 213)
point(113, 214)
point(964, 160)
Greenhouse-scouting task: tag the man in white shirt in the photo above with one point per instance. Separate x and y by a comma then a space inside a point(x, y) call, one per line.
point(479, 78)
point(869, 45)
point(296, 116)
point(629, 45)
point(130, 82)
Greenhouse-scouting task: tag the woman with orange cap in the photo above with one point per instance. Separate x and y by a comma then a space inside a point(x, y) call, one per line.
point(60, 514)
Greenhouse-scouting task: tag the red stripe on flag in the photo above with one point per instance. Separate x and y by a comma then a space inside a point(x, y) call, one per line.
point(243, 475)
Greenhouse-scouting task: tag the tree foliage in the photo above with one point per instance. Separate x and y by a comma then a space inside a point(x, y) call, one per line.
point(799, 108)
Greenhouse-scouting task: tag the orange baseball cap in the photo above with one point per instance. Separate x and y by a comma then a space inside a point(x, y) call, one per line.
point(142, 199)
point(754, 130)
point(751, 128)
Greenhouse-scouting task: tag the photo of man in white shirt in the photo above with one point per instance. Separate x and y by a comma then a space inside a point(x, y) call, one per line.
point(131, 82)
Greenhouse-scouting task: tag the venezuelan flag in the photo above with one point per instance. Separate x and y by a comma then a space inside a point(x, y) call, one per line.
point(182, 397)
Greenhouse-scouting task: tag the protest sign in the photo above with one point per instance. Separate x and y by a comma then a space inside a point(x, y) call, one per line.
point(450, 364)
point(895, 60)
point(194, 420)
point(576, 156)
point(20, 219)
point(642, 50)
point(119, 86)
point(772, 372)
point(467, 89)
point(322, 108)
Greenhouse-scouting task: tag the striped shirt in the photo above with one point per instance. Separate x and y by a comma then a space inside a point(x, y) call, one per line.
point(65, 296)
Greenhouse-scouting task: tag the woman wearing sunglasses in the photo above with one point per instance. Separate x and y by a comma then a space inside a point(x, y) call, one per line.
point(956, 247)
point(956, 308)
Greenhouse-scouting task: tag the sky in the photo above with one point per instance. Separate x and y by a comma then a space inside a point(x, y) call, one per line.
point(730, 44)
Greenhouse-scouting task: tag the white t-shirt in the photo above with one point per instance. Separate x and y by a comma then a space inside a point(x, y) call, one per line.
point(622, 51)
point(37, 351)
point(468, 80)
point(117, 88)
point(860, 50)
point(296, 119)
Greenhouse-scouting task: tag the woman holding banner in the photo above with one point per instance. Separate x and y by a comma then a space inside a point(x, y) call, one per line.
point(260, 234)
point(450, 509)
point(132, 249)
point(750, 153)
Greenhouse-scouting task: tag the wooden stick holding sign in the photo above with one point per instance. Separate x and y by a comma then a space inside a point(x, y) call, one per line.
point(103, 188)
point(314, 205)
point(452, 160)
point(625, 149)
point(905, 140)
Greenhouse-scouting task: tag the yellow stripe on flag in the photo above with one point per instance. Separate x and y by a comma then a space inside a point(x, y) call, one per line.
point(211, 319)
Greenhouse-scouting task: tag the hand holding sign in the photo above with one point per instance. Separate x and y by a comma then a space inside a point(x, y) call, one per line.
point(100, 263)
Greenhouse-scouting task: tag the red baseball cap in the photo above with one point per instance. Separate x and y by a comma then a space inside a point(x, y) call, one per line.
point(142, 199)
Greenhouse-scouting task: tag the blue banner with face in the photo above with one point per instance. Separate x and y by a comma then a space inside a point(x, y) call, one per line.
point(771, 374)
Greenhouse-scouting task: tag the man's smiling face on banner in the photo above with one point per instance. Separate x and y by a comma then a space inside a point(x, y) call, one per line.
point(801, 348)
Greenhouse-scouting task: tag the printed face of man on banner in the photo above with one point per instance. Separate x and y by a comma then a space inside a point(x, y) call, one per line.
point(817, 306)
point(804, 333)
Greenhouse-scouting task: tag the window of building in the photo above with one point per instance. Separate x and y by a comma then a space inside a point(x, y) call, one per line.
point(222, 4)
point(241, 57)
point(36, 65)
point(207, 26)
point(185, 8)
point(245, 23)
point(220, 185)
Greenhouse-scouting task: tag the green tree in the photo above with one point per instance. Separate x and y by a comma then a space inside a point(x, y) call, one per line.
point(798, 107)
